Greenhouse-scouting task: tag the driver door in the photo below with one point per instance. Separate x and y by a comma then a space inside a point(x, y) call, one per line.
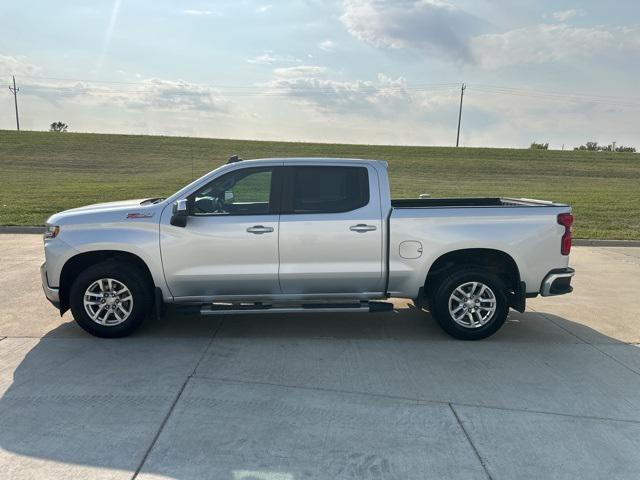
point(229, 246)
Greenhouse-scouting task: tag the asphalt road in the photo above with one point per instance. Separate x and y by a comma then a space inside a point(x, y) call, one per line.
point(555, 394)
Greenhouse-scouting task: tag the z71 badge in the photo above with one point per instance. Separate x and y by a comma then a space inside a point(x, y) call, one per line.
point(139, 215)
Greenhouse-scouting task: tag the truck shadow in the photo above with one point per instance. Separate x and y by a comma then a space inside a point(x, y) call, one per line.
point(77, 405)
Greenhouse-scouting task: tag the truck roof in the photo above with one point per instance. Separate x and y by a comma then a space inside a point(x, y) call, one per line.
point(315, 160)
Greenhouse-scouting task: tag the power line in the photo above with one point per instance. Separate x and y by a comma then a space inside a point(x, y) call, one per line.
point(149, 83)
point(548, 92)
point(292, 91)
point(288, 87)
point(269, 90)
point(609, 100)
point(15, 91)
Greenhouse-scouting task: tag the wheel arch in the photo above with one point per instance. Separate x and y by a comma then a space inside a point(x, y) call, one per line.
point(496, 261)
point(76, 264)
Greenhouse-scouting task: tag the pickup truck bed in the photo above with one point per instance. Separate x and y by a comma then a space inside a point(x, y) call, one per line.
point(469, 202)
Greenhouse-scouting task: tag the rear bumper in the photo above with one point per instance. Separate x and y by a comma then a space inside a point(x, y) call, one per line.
point(52, 294)
point(557, 282)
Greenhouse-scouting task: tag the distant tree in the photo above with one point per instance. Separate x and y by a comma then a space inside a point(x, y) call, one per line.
point(58, 127)
point(590, 146)
point(624, 149)
point(594, 147)
point(539, 146)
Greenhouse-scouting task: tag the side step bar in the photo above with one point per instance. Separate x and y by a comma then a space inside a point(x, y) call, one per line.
point(253, 308)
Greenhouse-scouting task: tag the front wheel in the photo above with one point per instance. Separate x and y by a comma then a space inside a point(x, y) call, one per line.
point(110, 299)
point(470, 303)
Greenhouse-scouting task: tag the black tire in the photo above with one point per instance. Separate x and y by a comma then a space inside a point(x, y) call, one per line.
point(129, 276)
point(460, 276)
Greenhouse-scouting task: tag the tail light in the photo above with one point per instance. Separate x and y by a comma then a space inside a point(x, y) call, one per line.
point(566, 220)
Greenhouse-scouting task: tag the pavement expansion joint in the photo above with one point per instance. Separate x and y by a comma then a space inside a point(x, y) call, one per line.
point(473, 447)
point(423, 401)
point(175, 402)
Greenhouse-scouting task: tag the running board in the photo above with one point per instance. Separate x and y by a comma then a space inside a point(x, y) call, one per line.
point(253, 308)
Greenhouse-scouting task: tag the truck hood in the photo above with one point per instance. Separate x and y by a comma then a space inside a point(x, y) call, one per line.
point(98, 211)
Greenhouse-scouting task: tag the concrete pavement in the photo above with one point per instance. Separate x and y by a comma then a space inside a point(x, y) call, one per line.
point(555, 394)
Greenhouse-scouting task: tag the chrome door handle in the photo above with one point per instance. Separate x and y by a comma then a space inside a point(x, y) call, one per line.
point(259, 229)
point(361, 228)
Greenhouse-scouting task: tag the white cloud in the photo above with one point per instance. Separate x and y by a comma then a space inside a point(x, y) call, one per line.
point(425, 24)
point(177, 95)
point(327, 45)
point(437, 27)
point(199, 12)
point(268, 58)
point(565, 15)
point(550, 42)
point(300, 71)
point(264, 8)
point(149, 94)
point(310, 86)
point(17, 65)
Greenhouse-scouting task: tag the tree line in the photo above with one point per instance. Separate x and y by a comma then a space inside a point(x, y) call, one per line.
point(589, 147)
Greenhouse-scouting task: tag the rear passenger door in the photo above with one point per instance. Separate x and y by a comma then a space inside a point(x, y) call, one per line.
point(330, 230)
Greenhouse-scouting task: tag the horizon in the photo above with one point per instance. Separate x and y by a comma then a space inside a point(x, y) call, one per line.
point(571, 148)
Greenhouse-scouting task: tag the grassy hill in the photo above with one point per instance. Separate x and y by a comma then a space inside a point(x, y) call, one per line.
point(42, 173)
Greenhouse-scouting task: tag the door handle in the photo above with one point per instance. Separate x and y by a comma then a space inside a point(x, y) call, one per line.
point(259, 229)
point(362, 228)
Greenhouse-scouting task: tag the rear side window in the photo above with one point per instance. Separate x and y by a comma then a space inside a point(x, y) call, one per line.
point(325, 189)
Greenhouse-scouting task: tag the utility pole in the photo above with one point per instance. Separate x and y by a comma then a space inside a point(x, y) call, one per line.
point(613, 149)
point(464, 87)
point(15, 91)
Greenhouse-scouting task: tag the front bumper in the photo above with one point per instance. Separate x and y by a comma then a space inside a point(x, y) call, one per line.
point(52, 294)
point(557, 282)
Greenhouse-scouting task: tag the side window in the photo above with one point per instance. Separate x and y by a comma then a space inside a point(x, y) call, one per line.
point(242, 192)
point(328, 189)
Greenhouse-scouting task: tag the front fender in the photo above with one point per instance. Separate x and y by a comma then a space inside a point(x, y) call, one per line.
point(140, 238)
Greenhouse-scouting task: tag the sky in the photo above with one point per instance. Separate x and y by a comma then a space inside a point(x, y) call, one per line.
point(347, 71)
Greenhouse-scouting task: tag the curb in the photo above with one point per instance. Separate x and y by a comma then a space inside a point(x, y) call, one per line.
point(585, 242)
point(577, 242)
point(16, 229)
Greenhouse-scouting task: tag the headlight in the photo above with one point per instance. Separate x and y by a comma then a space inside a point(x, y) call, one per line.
point(51, 232)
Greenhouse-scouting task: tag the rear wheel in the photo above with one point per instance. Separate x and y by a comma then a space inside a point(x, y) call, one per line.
point(110, 299)
point(469, 303)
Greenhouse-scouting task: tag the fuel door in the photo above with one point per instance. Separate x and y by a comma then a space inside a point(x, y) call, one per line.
point(410, 249)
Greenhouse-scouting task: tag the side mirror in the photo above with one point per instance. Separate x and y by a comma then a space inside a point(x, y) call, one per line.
point(228, 196)
point(180, 213)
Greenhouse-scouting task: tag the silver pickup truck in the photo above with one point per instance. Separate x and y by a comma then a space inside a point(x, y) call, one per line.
point(286, 235)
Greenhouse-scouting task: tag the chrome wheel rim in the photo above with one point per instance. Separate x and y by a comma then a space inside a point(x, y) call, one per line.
point(472, 305)
point(108, 302)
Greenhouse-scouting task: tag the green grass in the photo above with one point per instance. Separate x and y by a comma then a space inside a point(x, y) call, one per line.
point(42, 173)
